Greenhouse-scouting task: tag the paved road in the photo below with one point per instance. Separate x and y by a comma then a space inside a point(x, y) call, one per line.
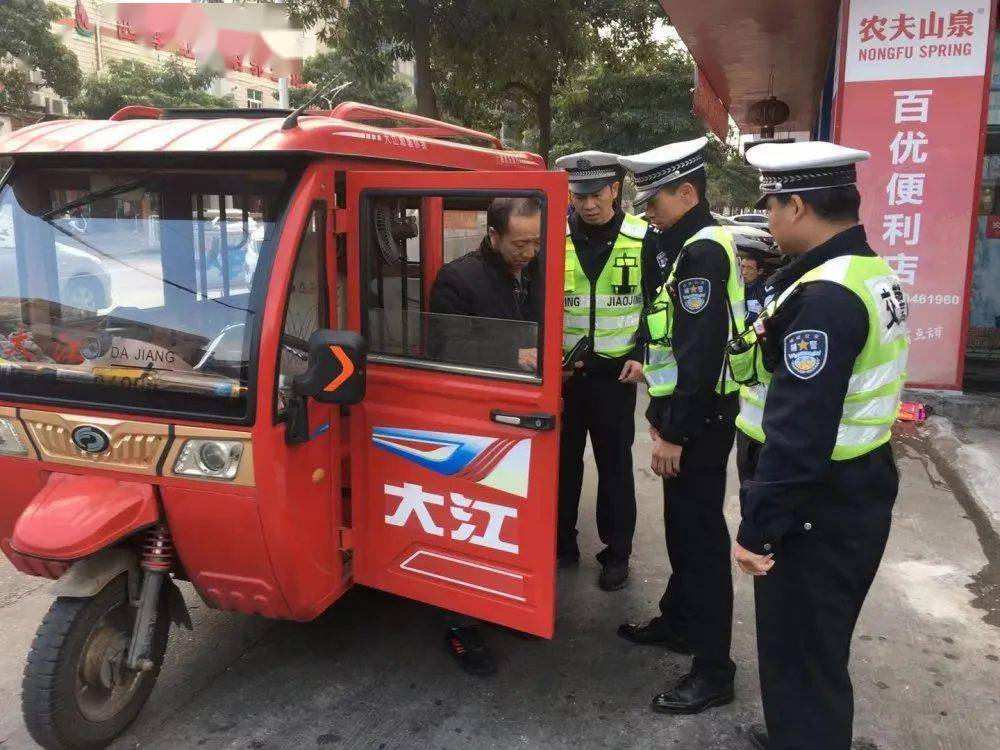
point(372, 672)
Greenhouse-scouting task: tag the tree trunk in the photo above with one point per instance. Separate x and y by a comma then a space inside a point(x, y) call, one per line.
point(423, 76)
point(544, 108)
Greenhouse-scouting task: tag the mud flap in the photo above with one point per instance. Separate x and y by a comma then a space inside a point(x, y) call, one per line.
point(179, 614)
point(87, 577)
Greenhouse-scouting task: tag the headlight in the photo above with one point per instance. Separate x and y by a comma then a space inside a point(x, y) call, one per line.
point(212, 459)
point(10, 442)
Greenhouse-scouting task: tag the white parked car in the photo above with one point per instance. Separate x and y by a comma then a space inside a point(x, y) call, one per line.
point(752, 219)
point(84, 282)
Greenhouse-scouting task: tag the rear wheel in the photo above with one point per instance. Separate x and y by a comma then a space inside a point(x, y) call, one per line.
point(77, 693)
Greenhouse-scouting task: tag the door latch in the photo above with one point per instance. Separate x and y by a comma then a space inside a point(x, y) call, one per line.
point(527, 421)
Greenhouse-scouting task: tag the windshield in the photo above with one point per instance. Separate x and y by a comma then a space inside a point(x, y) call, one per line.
point(133, 288)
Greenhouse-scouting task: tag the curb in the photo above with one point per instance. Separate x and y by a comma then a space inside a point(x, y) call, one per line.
point(965, 409)
point(972, 466)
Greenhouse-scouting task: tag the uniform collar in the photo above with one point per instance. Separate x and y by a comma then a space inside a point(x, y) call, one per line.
point(851, 241)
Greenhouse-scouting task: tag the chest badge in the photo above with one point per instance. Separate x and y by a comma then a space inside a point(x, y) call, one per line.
point(806, 353)
point(694, 294)
point(626, 267)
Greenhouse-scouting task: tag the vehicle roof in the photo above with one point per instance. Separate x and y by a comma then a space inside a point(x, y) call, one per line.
point(314, 135)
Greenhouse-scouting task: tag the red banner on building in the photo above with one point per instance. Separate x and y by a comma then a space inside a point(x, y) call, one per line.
point(912, 93)
point(709, 107)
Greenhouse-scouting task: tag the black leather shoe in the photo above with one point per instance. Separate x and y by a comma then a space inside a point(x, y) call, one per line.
point(467, 646)
point(692, 695)
point(757, 735)
point(648, 635)
point(604, 556)
point(614, 575)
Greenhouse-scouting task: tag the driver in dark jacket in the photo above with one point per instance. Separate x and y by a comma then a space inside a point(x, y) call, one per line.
point(473, 301)
point(496, 282)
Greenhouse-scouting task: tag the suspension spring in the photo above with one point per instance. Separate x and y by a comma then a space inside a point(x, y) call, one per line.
point(158, 550)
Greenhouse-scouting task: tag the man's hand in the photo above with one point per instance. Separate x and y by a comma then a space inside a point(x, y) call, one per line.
point(666, 460)
point(750, 562)
point(631, 372)
point(527, 359)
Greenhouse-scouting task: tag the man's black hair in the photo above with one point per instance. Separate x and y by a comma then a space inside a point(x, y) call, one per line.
point(501, 209)
point(833, 204)
point(698, 179)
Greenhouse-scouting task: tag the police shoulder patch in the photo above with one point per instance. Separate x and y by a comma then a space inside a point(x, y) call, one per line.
point(806, 352)
point(694, 294)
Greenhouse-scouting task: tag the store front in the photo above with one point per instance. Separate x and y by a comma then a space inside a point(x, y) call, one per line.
point(909, 81)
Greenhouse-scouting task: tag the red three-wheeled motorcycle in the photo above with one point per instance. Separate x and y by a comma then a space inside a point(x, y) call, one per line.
point(217, 366)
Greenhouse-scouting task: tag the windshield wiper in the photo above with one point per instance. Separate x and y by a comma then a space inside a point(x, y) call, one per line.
point(107, 192)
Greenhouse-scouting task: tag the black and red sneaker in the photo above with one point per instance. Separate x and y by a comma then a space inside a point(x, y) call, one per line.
point(470, 651)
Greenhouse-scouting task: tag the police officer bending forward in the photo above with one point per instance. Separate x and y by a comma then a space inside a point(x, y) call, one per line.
point(691, 415)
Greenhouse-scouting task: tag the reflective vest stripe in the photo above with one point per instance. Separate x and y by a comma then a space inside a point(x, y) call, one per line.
point(871, 411)
point(601, 343)
point(603, 323)
point(851, 437)
point(663, 377)
point(750, 418)
point(610, 344)
point(661, 355)
point(879, 376)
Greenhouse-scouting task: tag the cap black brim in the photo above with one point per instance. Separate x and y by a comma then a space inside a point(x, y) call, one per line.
point(762, 201)
point(586, 187)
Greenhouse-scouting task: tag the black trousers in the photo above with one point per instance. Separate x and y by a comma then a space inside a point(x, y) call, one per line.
point(809, 602)
point(603, 407)
point(698, 601)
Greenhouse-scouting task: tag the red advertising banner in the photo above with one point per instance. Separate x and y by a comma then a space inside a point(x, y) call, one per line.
point(912, 94)
point(709, 107)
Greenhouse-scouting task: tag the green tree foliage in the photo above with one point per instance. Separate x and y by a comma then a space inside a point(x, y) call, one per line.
point(15, 88)
point(124, 82)
point(625, 108)
point(373, 34)
point(513, 53)
point(27, 37)
point(478, 61)
point(369, 85)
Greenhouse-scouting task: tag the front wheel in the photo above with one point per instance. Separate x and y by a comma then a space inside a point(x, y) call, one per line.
point(77, 692)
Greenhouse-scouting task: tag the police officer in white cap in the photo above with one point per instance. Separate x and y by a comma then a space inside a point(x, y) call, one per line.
point(603, 304)
point(691, 414)
point(825, 364)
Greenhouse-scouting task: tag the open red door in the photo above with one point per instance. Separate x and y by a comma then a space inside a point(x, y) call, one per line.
point(455, 447)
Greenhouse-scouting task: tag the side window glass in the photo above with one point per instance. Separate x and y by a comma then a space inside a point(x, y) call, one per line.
point(467, 297)
point(306, 309)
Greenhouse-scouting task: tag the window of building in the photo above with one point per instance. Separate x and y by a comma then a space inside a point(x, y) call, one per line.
point(472, 315)
point(255, 99)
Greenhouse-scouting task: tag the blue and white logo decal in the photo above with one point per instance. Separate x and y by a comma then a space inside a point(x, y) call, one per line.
point(805, 353)
point(502, 463)
point(694, 294)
